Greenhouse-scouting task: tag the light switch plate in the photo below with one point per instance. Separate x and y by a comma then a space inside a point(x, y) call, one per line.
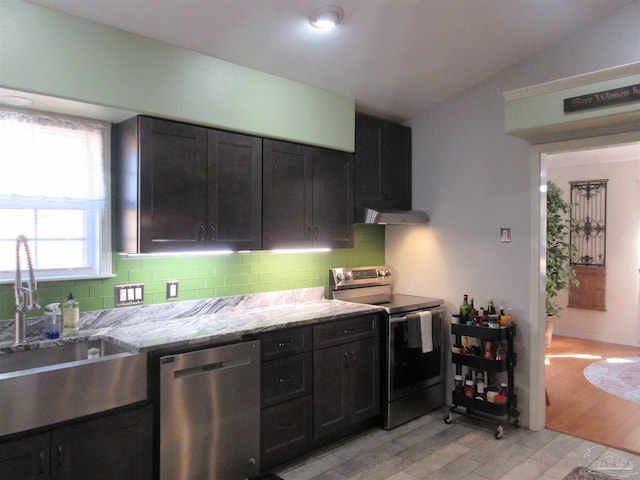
point(129, 294)
point(505, 234)
point(172, 290)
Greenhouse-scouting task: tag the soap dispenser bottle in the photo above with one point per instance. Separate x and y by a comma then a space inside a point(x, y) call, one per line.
point(52, 321)
point(70, 316)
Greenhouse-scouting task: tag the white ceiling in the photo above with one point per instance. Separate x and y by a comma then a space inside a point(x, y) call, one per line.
point(394, 57)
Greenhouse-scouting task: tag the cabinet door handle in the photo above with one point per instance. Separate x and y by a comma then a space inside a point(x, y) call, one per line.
point(213, 231)
point(43, 459)
point(308, 234)
point(345, 360)
point(353, 358)
point(202, 230)
point(60, 453)
point(284, 344)
point(316, 231)
point(285, 379)
point(346, 331)
point(284, 426)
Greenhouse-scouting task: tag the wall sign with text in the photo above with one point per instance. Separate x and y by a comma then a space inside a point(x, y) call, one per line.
point(602, 99)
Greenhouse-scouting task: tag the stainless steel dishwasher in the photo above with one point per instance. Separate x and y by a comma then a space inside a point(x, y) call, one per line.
point(210, 413)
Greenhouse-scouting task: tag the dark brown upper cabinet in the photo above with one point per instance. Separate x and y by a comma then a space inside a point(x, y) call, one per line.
point(382, 165)
point(234, 198)
point(182, 187)
point(307, 198)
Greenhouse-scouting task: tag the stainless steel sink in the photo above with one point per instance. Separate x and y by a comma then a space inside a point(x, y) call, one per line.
point(43, 357)
point(49, 385)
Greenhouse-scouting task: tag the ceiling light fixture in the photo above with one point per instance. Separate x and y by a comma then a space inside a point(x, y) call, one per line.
point(325, 18)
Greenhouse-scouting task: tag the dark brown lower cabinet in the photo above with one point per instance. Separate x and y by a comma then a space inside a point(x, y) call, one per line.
point(117, 446)
point(317, 384)
point(346, 385)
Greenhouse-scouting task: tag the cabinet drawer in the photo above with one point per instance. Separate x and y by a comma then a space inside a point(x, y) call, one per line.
point(285, 342)
point(285, 378)
point(344, 331)
point(285, 431)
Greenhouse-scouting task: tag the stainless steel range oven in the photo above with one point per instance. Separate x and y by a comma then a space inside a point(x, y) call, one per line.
point(413, 359)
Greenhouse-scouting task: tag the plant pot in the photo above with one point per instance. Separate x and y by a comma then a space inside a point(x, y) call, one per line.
point(548, 334)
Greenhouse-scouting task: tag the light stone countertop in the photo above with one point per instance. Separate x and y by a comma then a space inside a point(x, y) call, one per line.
point(182, 324)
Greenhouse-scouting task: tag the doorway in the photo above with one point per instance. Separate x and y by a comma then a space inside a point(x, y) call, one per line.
point(584, 337)
point(618, 243)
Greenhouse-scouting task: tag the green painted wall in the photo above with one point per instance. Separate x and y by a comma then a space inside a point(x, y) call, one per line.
point(211, 276)
point(51, 53)
point(539, 110)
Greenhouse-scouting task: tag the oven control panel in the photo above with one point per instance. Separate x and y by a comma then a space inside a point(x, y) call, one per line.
point(340, 278)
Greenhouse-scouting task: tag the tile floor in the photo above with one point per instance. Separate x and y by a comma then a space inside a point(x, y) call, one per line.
point(427, 448)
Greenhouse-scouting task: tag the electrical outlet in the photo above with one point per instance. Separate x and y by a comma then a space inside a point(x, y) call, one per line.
point(172, 290)
point(129, 294)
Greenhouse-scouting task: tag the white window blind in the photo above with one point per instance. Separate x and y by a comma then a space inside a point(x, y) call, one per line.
point(54, 189)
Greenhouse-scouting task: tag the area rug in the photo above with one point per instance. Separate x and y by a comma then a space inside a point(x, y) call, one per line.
point(617, 376)
point(583, 473)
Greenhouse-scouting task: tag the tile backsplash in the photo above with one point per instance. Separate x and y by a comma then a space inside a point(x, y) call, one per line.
point(206, 276)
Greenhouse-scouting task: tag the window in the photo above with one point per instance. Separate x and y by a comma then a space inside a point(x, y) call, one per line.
point(54, 189)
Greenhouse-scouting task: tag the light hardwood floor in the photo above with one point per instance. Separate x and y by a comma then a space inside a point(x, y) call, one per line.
point(581, 409)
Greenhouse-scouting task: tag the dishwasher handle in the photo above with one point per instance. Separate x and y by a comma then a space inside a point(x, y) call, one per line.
point(210, 367)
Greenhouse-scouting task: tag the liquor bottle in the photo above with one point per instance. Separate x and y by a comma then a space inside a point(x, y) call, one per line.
point(473, 313)
point(464, 309)
point(491, 308)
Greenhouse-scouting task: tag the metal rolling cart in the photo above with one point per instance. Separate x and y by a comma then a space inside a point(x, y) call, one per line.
point(498, 413)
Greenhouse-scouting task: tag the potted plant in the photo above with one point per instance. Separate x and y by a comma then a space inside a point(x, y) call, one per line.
point(560, 252)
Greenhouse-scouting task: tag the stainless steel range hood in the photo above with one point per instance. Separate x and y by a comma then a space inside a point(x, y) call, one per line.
point(395, 217)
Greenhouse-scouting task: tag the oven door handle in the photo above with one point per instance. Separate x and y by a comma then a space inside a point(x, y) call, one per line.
point(398, 319)
point(403, 318)
point(437, 326)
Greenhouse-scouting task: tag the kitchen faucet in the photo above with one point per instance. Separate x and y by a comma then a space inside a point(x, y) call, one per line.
point(26, 295)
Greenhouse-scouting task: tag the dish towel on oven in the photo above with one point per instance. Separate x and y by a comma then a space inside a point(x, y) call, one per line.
point(419, 331)
point(426, 329)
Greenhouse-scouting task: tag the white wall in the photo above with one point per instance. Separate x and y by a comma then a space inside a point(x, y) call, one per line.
point(619, 324)
point(472, 179)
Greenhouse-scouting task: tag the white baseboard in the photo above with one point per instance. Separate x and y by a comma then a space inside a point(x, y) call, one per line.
point(597, 338)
